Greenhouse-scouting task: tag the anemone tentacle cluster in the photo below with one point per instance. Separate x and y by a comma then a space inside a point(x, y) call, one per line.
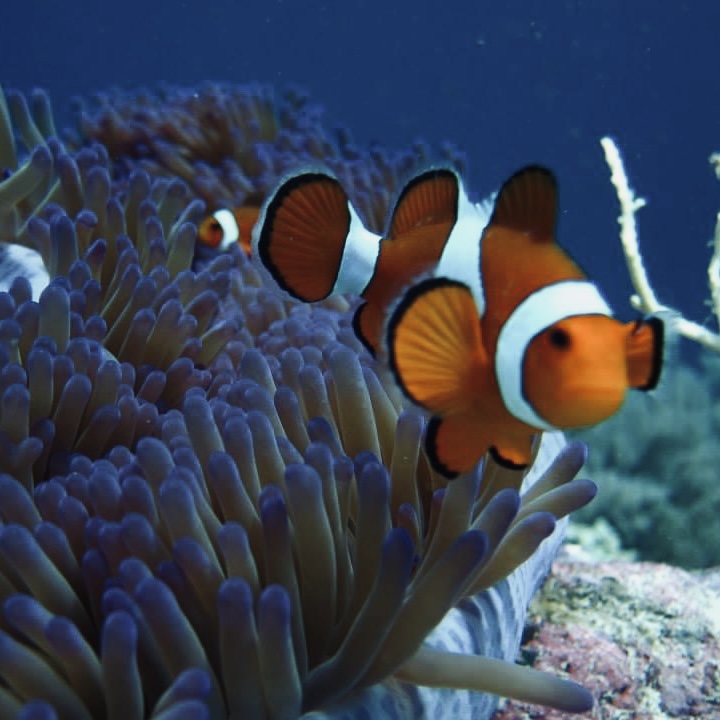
point(213, 501)
point(28, 177)
point(231, 143)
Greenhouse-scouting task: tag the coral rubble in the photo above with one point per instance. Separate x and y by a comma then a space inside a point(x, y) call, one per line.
point(644, 637)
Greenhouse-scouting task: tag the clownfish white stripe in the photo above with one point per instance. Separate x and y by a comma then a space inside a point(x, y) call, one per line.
point(360, 254)
point(460, 258)
point(231, 231)
point(536, 313)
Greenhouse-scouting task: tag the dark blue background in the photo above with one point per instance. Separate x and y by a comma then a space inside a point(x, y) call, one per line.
point(510, 82)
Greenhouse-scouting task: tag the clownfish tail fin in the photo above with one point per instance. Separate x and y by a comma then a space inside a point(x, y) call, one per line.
point(311, 240)
point(430, 198)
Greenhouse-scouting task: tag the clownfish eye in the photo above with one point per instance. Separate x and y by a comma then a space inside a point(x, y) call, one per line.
point(559, 339)
point(215, 225)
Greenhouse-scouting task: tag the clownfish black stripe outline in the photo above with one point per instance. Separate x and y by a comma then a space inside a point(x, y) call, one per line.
point(431, 431)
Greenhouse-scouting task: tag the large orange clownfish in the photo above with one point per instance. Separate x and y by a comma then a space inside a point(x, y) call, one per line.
point(482, 317)
point(224, 228)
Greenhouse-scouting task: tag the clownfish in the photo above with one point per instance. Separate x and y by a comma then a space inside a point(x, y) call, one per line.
point(313, 243)
point(484, 320)
point(225, 227)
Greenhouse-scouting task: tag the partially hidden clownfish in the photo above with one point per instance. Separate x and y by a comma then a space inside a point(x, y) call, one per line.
point(224, 228)
point(484, 320)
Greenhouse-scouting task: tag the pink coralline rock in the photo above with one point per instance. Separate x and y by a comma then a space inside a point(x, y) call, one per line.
point(644, 638)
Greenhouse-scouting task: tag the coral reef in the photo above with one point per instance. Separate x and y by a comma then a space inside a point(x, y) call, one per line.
point(213, 503)
point(644, 637)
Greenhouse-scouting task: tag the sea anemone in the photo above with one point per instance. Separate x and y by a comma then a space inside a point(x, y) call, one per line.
point(214, 503)
point(235, 551)
point(27, 173)
point(230, 144)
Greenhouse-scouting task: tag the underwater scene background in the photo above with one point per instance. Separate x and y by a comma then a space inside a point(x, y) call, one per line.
point(509, 83)
point(148, 100)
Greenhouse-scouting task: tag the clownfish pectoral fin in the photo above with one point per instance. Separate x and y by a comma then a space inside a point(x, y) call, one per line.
point(311, 240)
point(435, 347)
point(428, 199)
point(527, 202)
point(645, 349)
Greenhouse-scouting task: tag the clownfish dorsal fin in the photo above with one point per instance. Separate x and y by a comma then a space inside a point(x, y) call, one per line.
point(527, 202)
point(428, 199)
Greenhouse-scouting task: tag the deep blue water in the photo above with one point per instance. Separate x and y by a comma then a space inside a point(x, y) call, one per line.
point(510, 82)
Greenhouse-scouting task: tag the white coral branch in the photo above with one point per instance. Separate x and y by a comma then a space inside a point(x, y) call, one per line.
point(644, 298)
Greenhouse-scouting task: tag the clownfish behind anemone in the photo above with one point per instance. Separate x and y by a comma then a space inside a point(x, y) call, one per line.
point(224, 228)
point(484, 320)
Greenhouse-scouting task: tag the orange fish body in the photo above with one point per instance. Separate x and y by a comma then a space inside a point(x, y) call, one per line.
point(225, 227)
point(485, 321)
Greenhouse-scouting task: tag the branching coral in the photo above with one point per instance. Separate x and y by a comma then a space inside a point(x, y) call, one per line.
point(644, 298)
point(659, 486)
point(213, 503)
